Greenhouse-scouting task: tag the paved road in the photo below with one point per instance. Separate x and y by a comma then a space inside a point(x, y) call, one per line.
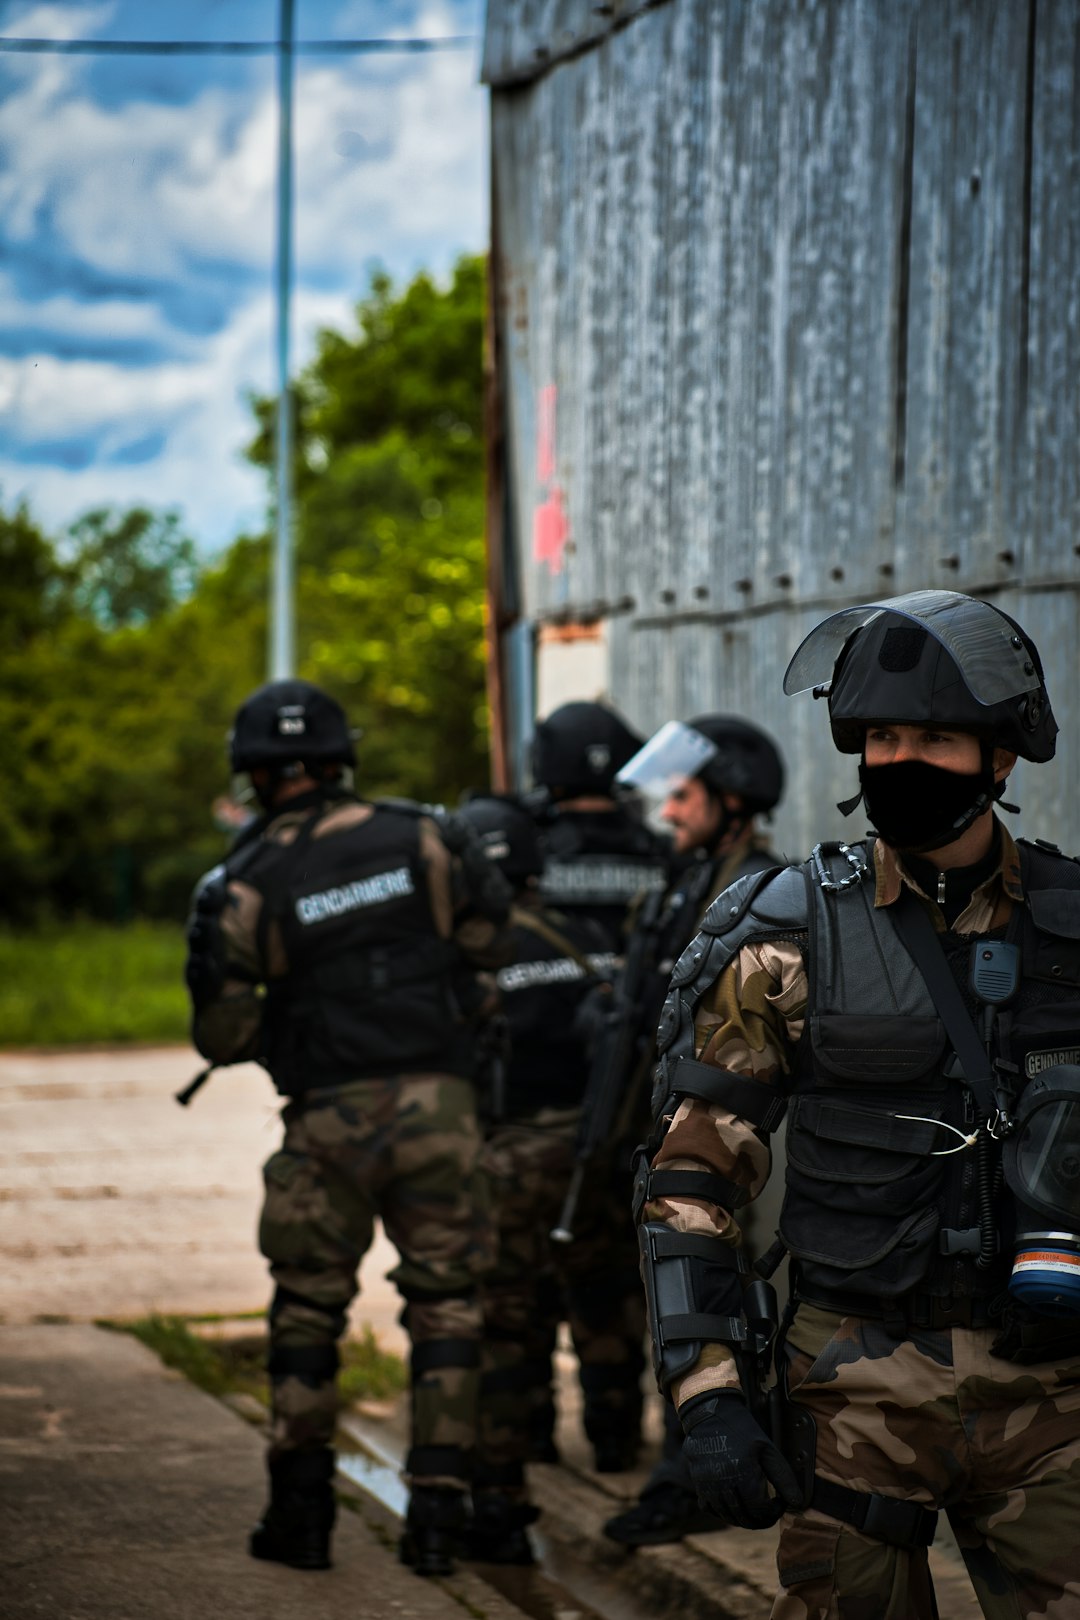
point(114, 1201)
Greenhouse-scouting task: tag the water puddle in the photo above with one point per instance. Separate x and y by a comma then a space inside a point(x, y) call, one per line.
point(560, 1587)
point(375, 1471)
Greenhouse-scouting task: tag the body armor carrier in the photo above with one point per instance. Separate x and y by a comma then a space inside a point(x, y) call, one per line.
point(877, 1219)
point(597, 863)
point(369, 989)
point(556, 962)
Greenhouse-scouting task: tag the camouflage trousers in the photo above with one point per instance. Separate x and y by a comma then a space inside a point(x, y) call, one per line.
point(405, 1149)
point(528, 1164)
point(933, 1418)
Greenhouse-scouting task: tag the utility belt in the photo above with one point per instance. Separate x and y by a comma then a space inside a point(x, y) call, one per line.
point(920, 1310)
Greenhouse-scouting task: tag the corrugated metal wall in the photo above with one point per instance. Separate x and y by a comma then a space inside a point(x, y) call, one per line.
point(789, 307)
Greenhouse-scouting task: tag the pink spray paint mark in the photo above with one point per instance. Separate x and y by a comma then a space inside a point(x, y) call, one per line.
point(551, 531)
point(551, 527)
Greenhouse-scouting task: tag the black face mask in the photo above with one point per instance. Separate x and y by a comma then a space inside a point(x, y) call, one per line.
point(916, 806)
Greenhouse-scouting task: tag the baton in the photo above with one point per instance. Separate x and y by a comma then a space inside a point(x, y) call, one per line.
point(184, 1097)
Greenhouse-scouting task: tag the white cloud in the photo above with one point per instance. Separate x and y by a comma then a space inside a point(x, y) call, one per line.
point(167, 191)
point(199, 406)
point(113, 320)
point(140, 188)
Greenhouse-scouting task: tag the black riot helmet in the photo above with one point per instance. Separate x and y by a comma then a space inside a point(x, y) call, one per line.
point(579, 748)
point(508, 836)
point(928, 658)
point(290, 722)
point(747, 761)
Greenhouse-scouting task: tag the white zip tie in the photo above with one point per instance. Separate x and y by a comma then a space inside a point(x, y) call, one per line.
point(943, 1153)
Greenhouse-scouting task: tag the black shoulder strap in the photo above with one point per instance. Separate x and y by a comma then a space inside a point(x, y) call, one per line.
point(554, 936)
point(917, 934)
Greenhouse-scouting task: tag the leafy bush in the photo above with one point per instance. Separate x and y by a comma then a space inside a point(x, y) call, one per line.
point(83, 983)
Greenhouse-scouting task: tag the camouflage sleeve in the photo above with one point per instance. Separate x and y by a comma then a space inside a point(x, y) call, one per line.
point(226, 1029)
point(748, 1023)
point(484, 943)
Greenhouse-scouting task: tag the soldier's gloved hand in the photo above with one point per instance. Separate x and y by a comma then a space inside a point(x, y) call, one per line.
point(204, 970)
point(733, 1462)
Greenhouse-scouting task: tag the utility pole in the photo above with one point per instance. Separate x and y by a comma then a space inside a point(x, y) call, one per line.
point(281, 651)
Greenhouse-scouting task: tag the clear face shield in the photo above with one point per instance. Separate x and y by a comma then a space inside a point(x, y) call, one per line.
point(671, 757)
point(991, 657)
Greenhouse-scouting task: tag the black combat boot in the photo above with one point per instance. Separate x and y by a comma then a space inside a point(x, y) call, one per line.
point(497, 1532)
point(295, 1527)
point(435, 1529)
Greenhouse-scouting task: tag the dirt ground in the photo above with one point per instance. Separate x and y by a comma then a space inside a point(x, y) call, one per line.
point(115, 1201)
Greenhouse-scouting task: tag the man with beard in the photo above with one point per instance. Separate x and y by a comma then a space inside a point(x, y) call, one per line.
point(914, 1004)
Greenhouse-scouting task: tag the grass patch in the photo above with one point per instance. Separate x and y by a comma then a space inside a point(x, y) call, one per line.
point(368, 1372)
point(238, 1365)
point(83, 983)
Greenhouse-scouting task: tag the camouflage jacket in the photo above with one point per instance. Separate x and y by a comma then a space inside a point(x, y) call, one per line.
point(749, 1023)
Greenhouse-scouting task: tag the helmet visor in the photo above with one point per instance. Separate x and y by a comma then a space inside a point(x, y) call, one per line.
point(991, 657)
point(674, 753)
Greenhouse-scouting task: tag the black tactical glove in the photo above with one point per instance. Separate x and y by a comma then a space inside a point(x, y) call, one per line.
point(204, 969)
point(733, 1462)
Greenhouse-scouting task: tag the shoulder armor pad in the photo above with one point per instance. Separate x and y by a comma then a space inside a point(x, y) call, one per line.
point(210, 883)
point(775, 898)
point(752, 906)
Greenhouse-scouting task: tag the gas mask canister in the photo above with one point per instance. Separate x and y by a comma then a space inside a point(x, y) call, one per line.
point(1041, 1160)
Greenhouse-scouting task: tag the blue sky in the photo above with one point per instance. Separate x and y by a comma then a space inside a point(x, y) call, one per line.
point(137, 233)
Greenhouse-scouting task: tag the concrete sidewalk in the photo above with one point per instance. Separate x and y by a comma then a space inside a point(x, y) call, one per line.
point(127, 1493)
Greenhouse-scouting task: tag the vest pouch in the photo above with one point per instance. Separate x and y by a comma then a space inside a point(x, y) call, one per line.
point(861, 1161)
point(1052, 951)
point(876, 1259)
point(859, 1212)
point(877, 1049)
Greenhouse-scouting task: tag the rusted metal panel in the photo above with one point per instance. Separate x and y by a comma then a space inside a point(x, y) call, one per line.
point(964, 430)
point(1049, 541)
point(705, 289)
point(793, 320)
point(526, 38)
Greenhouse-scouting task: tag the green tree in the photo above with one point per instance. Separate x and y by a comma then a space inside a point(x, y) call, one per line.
point(122, 660)
point(130, 567)
point(112, 733)
point(390, 550)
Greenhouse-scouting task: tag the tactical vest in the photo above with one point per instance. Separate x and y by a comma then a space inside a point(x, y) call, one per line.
point(596, 863)
point(370, 985)
point(541, 988)
point(875, 1209)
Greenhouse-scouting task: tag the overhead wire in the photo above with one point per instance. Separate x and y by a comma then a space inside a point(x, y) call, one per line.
point(234, 47)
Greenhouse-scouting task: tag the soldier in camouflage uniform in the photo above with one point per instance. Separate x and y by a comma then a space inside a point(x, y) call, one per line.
point(556, 959)
point(599, 858)
point(932, 1346)
point(337, 946)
